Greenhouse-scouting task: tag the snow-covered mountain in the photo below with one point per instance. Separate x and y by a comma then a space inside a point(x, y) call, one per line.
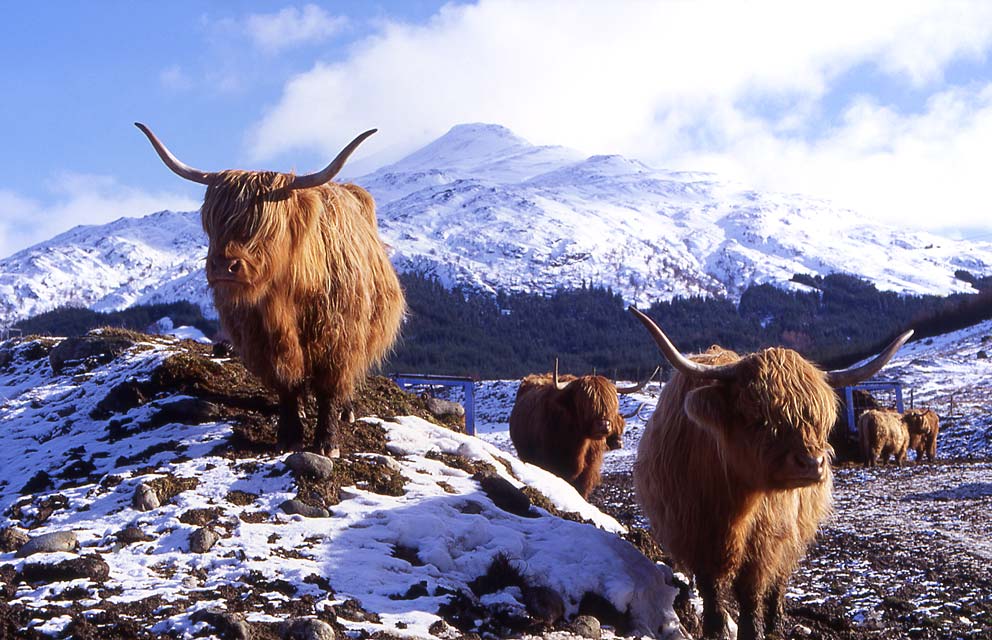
point(482, 207)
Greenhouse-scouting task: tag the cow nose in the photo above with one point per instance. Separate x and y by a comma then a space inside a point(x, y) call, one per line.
point(228, 266)
point(807, 464)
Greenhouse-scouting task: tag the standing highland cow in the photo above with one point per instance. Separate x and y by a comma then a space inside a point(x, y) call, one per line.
point(301, 282)
point(923, 426)
point(733, 472)
point(882, 433)
point(566, 423)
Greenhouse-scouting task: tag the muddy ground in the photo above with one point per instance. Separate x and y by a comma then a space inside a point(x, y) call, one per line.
point(906, 554)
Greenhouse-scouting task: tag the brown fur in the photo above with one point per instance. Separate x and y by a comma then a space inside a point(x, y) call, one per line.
point(567, 431)
point(923, 426)
point(720, 476)
point(315, 300)
point(882, 434)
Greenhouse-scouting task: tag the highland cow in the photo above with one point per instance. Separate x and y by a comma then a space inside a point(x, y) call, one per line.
point(733, 472)
point(923, 426)
point(301, 282)
point(882, 434)
point(565, 424)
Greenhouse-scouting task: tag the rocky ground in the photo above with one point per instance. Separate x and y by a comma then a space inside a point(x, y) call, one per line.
point(905, 555)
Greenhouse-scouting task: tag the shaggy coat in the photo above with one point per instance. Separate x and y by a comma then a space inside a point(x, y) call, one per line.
point(567, 431)
point(301, 282)
point(722, 476)
point(883, 433)
point(923, 426)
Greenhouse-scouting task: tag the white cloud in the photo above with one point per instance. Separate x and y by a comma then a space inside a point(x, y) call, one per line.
point(77, 199)
point(733, 86)
point(290, 27)
point(175, 79)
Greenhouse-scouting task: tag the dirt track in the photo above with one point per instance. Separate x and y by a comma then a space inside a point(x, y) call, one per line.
point(907, 554)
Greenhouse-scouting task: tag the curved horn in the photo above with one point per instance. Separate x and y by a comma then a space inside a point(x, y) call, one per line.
point(854, 375)
point(640, 385)
point(179, 168)
point(558, 385)
point(679, 361)
point(635, 412)
point(331, 170)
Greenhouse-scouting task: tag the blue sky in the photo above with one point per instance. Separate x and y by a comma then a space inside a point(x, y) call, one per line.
point(882, 107)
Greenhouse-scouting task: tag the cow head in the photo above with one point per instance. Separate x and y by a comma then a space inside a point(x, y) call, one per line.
point(593, 403)
point(256, 223)
point(770, 412)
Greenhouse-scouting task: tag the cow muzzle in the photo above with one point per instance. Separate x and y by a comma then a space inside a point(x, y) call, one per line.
point(226, 270)
point(803, 470)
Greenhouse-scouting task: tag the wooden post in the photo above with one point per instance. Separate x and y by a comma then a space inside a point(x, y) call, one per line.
point(911, 403)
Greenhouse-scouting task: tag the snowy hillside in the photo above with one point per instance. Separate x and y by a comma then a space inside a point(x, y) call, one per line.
point(139, 494)
point(482, 207)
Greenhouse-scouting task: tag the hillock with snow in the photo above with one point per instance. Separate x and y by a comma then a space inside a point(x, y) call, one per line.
point(141, 496)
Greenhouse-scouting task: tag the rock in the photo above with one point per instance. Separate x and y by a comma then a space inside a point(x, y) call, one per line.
point(311, 465)
point(231, 626)
point(385, 461)
point(441, 408)
point(12, 539)
point(298, 507)
point(132, 534)
point(91, 567)
point(145, 498)
point(587, 627)
point(202, 540)
point(544, 605)
point(306, 629)
point(49, 543)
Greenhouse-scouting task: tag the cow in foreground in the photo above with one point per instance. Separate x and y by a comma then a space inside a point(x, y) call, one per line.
point(882, 434)
point(733, 472)
point(301, 282)
point(565, 424)
point(923, 426)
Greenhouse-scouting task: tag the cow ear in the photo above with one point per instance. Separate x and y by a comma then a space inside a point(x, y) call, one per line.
point(709, 406)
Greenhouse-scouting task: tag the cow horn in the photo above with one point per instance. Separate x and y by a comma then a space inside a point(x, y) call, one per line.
point(558, 385)
point(679, 361)
point(324, 175)
point(854, 375)
point(640, 385)
point(179, 168)
point(635, 412)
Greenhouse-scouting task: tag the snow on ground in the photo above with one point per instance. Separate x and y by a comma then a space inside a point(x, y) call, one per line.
point(72, 464)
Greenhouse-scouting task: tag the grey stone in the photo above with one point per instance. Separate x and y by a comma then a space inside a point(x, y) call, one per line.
point(306, 629)
point(310, 465)
point(231, 626)
point(145, 498)
point(441, 408)
point(298, 507)
point(49, 543)
point(202, 540)
point(91, 567)
point(587, 627)
point(12, 538)
point(385, 461)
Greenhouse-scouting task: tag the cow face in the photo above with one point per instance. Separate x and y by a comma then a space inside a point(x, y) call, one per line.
point(593, 407)
point(772, 422)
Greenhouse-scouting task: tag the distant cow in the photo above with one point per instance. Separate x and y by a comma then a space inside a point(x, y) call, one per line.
point(923, 426)
point(882, 433)
point(733, 472)
point(566, 423)
point(301, 282)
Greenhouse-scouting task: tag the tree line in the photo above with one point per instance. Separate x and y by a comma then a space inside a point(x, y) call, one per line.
point(835, 320)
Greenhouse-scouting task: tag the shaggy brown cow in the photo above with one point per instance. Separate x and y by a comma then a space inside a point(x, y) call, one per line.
point(923, 426)
point(301, 282)
point(882, 434)
point(733, 472)
point(566, 423)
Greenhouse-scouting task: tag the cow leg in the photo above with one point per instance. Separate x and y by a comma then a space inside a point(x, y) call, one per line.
point(750, 622)
point(774, 608)
point(290, 431)
point(714, 615)
point(325, 438)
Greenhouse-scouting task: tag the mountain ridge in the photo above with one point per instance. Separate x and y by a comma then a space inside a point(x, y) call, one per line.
point(481, 207)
